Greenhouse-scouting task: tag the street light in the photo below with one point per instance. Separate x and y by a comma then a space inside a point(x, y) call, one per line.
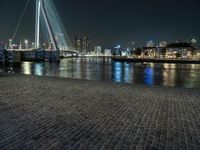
point(10, 44)
point(33, 45)
point(26, 44)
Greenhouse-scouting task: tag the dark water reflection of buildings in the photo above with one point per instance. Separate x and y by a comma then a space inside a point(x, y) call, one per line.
point(183, 75)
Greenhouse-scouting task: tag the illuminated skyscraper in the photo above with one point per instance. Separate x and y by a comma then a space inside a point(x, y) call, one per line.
point(98, 50)
point(77, 44)
point(83, 44)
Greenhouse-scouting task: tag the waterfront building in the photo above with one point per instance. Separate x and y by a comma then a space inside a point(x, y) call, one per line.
point(180, 50)
point(117, 50)
point(97, 50)
point(108, 52)
point(83, 44)
point(162, 44)
point(198, 53)
point(150, 44)
point(150, 52)
point(77, 44)
point(124, 52)
point(172, 50)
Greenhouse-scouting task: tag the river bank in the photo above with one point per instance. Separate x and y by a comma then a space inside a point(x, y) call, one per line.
point(157, 60)
point(59, 113)
point(104, 69)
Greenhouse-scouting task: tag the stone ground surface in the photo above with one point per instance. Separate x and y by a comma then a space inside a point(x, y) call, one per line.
point(56, 113)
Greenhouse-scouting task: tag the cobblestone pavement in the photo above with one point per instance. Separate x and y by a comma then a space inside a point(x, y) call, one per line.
point(56, 113)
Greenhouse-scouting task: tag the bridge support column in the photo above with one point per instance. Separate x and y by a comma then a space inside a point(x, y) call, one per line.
point(40, 9)
point(37, 24)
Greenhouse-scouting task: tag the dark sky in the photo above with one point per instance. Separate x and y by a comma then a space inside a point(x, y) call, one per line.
point(109, 22)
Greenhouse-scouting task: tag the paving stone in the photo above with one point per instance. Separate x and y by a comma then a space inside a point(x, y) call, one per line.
point(56, 113)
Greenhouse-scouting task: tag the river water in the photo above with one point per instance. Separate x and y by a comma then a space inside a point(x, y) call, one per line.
point(181, 75)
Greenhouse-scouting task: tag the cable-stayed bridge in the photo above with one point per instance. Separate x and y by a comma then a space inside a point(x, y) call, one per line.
point(48, 29)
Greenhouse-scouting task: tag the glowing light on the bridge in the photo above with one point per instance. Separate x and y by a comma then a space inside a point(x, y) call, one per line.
point(26, 44)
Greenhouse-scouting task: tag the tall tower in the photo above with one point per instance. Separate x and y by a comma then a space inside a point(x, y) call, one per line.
point(85, 44)
point(37, 24)
point(40, 10)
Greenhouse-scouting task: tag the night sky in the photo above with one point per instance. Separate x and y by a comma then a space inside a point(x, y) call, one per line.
point(109, 22)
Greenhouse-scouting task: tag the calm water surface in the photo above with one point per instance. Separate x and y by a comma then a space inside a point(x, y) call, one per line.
point(182, 75)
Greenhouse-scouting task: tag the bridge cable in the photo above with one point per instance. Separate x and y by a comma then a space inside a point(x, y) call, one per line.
point(20, 20)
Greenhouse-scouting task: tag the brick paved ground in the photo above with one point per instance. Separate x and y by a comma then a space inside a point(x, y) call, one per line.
point(55, 113)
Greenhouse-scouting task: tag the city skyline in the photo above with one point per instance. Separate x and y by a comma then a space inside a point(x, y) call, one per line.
point(113, 22)
point(100, 74)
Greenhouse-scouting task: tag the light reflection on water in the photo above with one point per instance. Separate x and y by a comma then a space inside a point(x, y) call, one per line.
point(183, 75)
point(148, 76)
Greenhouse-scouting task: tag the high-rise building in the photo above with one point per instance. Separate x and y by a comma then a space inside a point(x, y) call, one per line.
point(83, 44)
point(108, 52)
point(97, 50)
point(77, 44)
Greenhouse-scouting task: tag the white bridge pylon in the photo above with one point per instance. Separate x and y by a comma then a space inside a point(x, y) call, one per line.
point(41, 10)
